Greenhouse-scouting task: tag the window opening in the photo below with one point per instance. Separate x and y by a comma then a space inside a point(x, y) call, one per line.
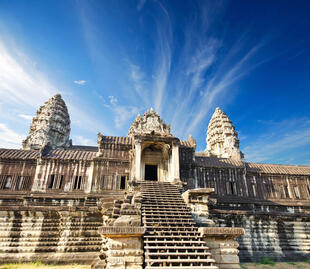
point(281, 190)
point(287, 194)
point(51, 184)
point(254, 190)
point(8, 182)
point(296, 191)
point(60, 181)
point(19, 181)
point(102, 182)
point(77, 183)
point(123, 182)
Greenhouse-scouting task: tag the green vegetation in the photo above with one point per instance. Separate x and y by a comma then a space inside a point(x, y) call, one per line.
point(266, 260)
point(292, 263)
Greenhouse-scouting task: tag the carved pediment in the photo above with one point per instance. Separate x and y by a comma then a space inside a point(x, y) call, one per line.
point(149, 124)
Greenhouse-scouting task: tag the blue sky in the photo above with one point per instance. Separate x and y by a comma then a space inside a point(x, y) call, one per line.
point(111, 60)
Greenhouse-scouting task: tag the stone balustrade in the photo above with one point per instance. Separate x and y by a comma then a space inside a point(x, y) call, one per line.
point(223, 245)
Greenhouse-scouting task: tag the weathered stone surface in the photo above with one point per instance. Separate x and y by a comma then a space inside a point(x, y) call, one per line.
point(149, 123)
point(222, 139)
point(271, 202)
point(50, 125)
point(223, 246)
point(197, 200)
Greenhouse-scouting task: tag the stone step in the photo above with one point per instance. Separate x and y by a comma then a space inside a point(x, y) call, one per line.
point(177, 247)
point(186, 260)
point(170, 228)
point(178, 254)
point(182, 267)
point(159, 237)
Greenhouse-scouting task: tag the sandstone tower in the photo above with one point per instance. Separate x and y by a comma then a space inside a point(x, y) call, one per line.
point(51, 125)
point(222, 139)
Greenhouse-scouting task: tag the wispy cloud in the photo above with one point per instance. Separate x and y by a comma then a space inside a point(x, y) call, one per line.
point(9, 138)
point(279, 138)
point(138, 78)
point(24, 86)
point(20, 81)
point(140, 5)
point(80, 82)
point(163, 64)
point(219, 84)
point(122, 113)
point(26, 117)
point(80, 140)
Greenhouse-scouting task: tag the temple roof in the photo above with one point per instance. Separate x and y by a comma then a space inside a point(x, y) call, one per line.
point(87, 153)
point(202, 160)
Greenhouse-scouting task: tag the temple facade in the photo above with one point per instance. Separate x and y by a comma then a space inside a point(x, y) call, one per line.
point(55, 196)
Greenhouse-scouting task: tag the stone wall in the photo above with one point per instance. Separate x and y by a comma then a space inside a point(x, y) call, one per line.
point(49, 235)
point(283, 237)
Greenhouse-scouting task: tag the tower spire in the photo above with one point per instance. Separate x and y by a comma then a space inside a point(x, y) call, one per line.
point(222, 139)
point(51, 125)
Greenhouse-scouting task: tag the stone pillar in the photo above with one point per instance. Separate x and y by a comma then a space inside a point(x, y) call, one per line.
point(124, 247)
point(175, 162)
point(197, 200)
point(223, 245)
point(138, 159)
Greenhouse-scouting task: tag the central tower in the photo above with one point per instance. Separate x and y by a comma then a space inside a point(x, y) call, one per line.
point(155, 151)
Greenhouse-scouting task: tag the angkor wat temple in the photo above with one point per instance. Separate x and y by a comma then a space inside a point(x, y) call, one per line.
point(147, 199)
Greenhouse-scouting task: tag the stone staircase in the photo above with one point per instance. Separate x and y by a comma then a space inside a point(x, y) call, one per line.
point(171, 238)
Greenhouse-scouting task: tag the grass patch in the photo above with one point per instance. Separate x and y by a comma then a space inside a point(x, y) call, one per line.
point(265, 261)
point(292, 263)
point(307, 261)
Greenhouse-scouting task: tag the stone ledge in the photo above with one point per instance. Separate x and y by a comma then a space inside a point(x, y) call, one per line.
point(122, 231)
point(201, 191)
point(222, 232)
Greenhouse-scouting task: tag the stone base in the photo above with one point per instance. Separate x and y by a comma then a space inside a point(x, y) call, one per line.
point(223, 245)
point(124, 248)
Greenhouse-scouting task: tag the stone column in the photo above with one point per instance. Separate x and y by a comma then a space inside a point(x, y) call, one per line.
point(124, 247)
point(197, 200)
point(223, 245)
point(175, 162)
point(138, 160)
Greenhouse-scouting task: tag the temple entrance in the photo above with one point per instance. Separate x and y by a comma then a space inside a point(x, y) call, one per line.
point(151, 172)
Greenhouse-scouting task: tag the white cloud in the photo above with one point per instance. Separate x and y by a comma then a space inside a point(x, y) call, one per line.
point(80, 82)
point(163, 64)
point(80, 140)
point(139, 81)
point(9, 138)
point(123, 114)
point(26, 117)
point(279, 137)
point(20, 81)
point(113, 100)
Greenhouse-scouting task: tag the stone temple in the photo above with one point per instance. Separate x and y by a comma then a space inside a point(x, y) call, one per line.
point(148, 199)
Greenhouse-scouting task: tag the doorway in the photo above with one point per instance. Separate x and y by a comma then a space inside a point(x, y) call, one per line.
point(151, 172)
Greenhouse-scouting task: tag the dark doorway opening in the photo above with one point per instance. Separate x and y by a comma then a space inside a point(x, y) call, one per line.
point(123, 183)
point(151, 172)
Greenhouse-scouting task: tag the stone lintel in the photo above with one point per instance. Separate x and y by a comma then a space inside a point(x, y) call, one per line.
point(157, 138)
point(221, 232)
point(201, 191)
point(122, 231)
